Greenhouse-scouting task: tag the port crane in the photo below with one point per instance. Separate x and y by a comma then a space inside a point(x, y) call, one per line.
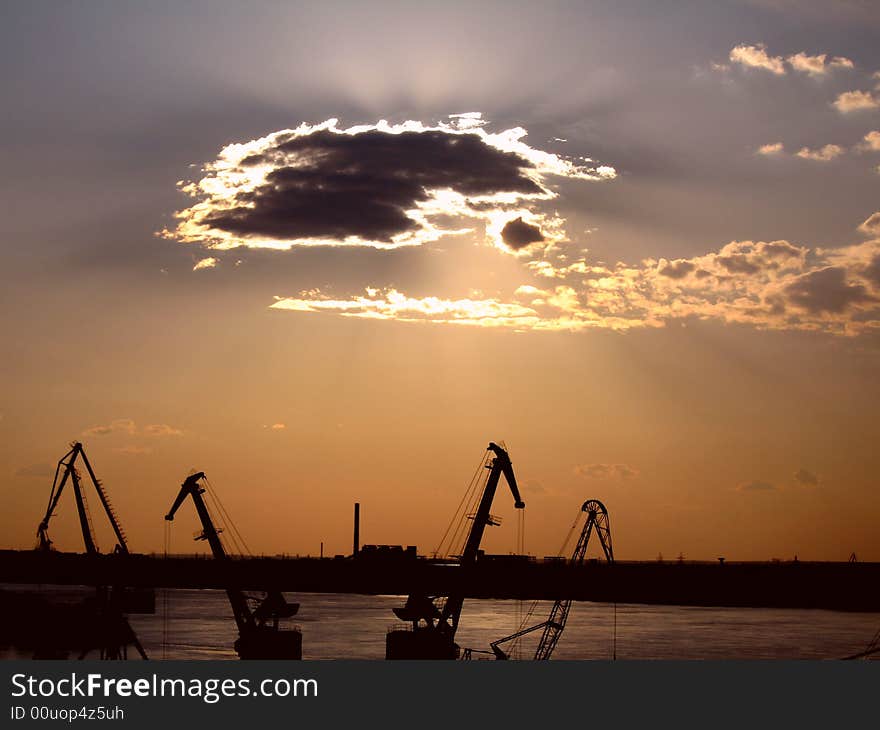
point(431, 630)
point(597, 521)
point(107, 627)
point(259, 635)
point(67, 471)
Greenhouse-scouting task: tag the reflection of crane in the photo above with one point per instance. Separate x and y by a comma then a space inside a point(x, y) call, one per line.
point(106, 627)
point(432, 634)
point(259, 636)
point(69, 472)
point(597, 518)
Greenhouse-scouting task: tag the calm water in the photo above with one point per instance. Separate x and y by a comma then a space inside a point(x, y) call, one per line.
point(198, 624)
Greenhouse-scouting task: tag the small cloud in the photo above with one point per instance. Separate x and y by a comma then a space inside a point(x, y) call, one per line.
point(755, 485)
point(871, 142)
point(871, 226)
point(823, 154)
point(120, 425)
point(533, 486)
point(677, 269)
point(518, 234)
point(40, 471)
point(606, 471)
point(275, 426)
point(774, 148)
point(757, 57)
point(161, 429)
point(853, 101)
point(817, 65)
point(127, 426)
point(209, 262)
point(134, 450)
point(806, 478)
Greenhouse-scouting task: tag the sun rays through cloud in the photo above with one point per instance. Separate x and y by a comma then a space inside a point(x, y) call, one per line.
point(378, 185)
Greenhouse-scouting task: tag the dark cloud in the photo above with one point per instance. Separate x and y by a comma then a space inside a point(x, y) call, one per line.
point(806, 478)
point(327, 185)
point(739, 264)
point(518, 234)
point(826, 290)
point(677, 269)
point(872, 271)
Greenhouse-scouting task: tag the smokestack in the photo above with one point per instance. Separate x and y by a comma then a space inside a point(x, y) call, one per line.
point(357, 528)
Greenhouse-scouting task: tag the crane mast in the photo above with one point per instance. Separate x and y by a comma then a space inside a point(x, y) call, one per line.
point(432, 631)
point(482, 519)
point(256, 638)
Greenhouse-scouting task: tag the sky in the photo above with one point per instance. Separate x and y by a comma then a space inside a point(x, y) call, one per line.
point(327, 252)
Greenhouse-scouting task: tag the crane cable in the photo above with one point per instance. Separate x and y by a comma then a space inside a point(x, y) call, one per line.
point(459, 518)
point(167, 547)
point(520, 550)
point(475, 493)
point(225, 518)
point(526, 620)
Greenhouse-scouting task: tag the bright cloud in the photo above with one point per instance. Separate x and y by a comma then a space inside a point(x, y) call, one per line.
point(757, 57)
point(768, 285)
point(817, 65)
point(871, 226)
point(822, 154)
point(853, 101)
point(774, 148)
point(377, 185)
point(206, 263)
point(871, 141)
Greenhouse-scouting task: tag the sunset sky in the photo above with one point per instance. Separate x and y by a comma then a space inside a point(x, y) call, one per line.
point(327, 252)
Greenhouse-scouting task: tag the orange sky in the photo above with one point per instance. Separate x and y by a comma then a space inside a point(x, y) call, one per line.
point(647, 263)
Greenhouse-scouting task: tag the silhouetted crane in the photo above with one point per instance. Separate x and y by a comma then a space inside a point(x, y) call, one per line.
point(259, 635)
point(597, 519)
point(107, 628)
point(432, 632)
